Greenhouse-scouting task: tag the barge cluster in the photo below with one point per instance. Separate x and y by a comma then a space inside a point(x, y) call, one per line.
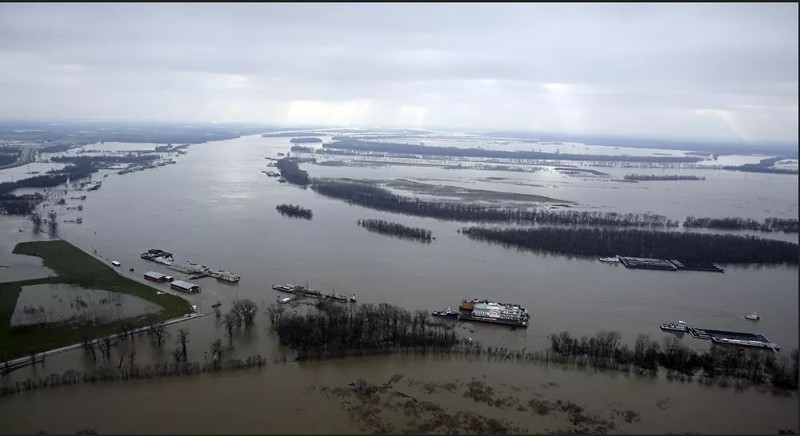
point(663, 264)
point(725, 337)
point(300, 291)
point(488, 311)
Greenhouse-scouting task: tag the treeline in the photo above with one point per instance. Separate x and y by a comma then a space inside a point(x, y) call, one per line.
point(386, 147)
point(763, 166)
point(128, 370)
point(78, 170)
point(19, 204)
point(288, 134)
point(294, 211)
point(301, 149)
point(604, 349)
point(340, 330)
point(98, 161)
point(8, 155)
point(378, 198)
point(291, 172)
point(642, 243)
point(653, 177)
point(305, 140)
point(395, 229)
point(787, 225)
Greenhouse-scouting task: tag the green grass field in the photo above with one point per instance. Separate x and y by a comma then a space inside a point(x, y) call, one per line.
point(75, 267)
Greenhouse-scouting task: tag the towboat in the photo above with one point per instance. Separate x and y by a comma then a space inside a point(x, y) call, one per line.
point(753, 317)
point(445, 313)
point(679, 326)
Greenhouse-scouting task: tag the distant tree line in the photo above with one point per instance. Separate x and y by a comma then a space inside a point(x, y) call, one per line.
point(374, 197)
point(412, 149)
point(305, 140)
point(8, 155)
point(288, 134)
point(19, 204)
point(341, 330)
point(787, 225)
point(395, 229)
point(642, 243)
point(291, 172)
point(100, 161)
point(763, 166)
point(294, 211)
point(605, 349)
point(654, 177)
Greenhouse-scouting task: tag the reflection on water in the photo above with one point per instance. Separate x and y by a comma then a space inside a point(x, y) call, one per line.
point(46, 303)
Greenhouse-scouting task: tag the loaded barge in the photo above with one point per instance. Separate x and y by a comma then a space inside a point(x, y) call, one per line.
point(303, 291)
point(664, 264)
point(726, 337)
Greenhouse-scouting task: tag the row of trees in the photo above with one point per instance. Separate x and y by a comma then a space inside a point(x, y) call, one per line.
point(642, 243)
point(374, 197)
point(786, 225)
point(294, 211)
point(654, 177)
point(395, 229)
point(756, 365)
point(291, 172)
point(19, 204)
point(338, 330)
point(424, 150)
point(305, 140)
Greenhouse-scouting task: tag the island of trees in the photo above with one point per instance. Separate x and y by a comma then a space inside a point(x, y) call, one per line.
point(395, 229)
point(654, 177)
point(367, 195)
point(291, 171)
point(763, 166)
point(786, 225)
point(305, 140)
point(347, 143)
point(366, 328)
point(294, 211)
point(642, 243)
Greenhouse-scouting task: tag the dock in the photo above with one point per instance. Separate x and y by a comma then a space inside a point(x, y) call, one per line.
point(693, 265)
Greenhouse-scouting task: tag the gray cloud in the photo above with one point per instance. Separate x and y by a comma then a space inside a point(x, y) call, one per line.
point(681, 70)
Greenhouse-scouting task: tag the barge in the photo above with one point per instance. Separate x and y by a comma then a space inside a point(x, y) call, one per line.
point(647, 263)
point(734, 338)
point(694, 265)
point(159, 256)
point(445, 313)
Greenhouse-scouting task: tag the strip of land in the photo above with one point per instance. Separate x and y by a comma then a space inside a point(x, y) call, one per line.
point(78, 268)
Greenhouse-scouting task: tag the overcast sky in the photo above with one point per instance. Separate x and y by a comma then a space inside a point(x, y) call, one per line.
point(674, 70)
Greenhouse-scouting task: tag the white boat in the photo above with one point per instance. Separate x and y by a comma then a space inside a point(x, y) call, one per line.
point(753, 316)
point(609, 259)
point(163, 260)
point(115, 263)
point(679, 326)
point(225, 275)
point(284, 300)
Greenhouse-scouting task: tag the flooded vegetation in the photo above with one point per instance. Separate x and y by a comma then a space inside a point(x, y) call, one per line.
point(294, 211)
point(642, 243)
point(395, 229)
point(737, 223)
point(50, 303)
point(659, 178)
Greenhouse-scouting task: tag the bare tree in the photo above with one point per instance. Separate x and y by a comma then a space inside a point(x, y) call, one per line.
point(231, 321)
point(183, 338)
point(274, 312)
point(89, 346)
point(216, 352)
point(159, 331)
point(132, 360)
point(216, 308)
point(245, 310)
point(178, 355)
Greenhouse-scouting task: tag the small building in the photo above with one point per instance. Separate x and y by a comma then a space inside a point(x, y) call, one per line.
point(157, 277)
point(180, 285)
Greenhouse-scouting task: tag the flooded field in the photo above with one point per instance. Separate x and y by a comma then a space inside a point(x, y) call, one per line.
point(48, 303)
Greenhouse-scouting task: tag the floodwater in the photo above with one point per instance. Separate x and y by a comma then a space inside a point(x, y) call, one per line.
point(45, 303)
point(216, 208)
